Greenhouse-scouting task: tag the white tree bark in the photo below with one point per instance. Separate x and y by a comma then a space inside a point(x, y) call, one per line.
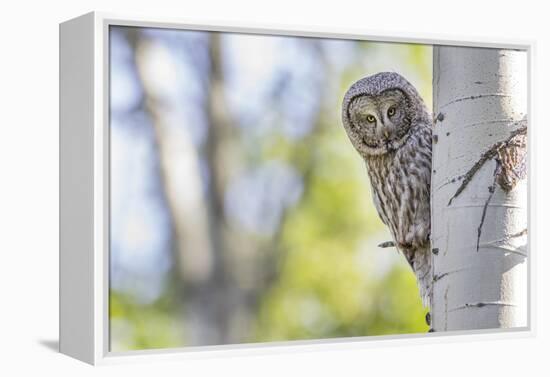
point(479, 238)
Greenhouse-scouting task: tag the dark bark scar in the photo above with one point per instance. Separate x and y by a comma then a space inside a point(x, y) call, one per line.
point(510, 167)
point(492, 189)
point(496, 151)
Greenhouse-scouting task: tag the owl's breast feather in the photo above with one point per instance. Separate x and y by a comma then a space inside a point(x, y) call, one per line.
point(401, 189)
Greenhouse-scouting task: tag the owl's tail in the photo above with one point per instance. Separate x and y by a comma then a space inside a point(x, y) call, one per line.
point(422, 268)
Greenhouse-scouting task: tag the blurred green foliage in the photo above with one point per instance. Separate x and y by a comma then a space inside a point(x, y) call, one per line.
point(136, 325)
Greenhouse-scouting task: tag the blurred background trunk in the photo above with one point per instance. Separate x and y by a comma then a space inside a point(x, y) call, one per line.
point(221, 272)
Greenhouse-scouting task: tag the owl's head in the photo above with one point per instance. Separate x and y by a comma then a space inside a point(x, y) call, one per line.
point(379, 111)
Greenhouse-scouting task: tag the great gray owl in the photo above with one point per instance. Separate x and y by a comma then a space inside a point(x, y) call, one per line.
point(391, 128)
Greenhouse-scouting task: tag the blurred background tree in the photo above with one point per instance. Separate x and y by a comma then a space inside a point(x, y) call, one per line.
point(239, 212)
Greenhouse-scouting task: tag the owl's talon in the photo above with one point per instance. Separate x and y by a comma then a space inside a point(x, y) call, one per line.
point(386, 244)
point(428, 319)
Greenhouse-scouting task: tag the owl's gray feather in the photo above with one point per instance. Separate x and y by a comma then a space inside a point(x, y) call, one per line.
point(397, 149)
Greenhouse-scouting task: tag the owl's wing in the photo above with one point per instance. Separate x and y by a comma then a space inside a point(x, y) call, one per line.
point(378, 205)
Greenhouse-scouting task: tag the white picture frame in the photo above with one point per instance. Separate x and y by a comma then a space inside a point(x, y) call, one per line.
point(84, 191)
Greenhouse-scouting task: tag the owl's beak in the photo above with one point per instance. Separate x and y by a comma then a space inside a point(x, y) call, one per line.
point(386, 134)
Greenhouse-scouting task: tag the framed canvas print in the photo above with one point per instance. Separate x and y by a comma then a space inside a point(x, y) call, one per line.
point(227, 189)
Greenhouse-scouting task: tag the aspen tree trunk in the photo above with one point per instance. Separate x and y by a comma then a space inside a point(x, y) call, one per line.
point(479, 228)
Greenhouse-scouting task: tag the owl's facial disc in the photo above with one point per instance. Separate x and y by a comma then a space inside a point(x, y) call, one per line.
point(379, 124)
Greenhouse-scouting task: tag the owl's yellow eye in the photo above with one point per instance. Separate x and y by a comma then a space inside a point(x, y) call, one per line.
point(370, 118)
point(391, 111)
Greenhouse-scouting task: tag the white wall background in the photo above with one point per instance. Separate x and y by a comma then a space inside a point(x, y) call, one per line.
point(29, 184)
